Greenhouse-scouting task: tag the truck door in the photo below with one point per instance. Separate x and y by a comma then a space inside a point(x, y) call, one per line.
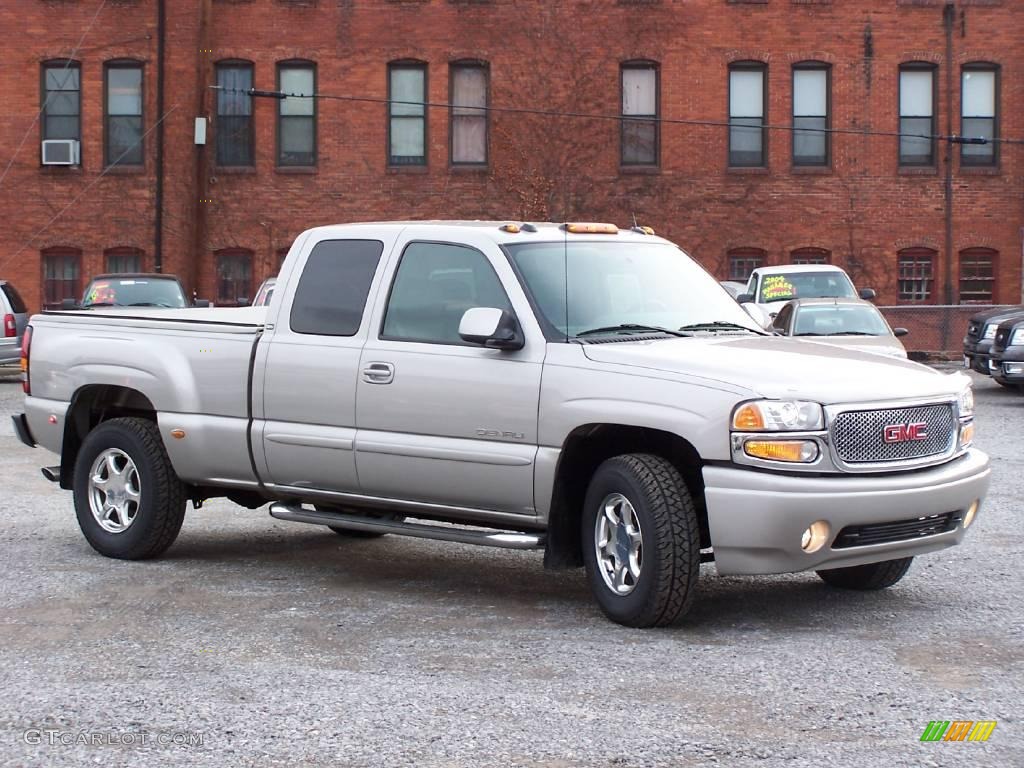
point(441, 420)
point(312, 366)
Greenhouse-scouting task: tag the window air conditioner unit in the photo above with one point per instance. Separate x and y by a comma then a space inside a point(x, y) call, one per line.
point(60, 152)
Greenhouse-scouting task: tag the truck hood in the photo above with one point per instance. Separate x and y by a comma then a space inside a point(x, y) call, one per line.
point(775, 367)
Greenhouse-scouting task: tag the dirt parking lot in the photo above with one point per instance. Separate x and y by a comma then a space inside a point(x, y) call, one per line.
point(260, 642)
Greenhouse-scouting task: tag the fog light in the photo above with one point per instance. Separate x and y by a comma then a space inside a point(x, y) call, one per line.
point(966, 435)
point(814, 537)
point(799, 451)
point(1013, 369)
point(971, 512)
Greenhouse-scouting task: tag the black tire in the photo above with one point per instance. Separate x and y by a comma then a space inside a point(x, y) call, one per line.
point(162, 496)
point(867, 577)
point(669, 535)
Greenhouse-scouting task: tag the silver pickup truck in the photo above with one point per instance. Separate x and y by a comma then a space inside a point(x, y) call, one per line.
point(576, 388)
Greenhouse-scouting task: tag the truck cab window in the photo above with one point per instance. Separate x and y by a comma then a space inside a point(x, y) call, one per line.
point(334, 285)
point(434, 285)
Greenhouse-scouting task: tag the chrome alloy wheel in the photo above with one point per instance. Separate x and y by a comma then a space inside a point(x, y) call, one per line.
point(114, 490)
point(619, 544)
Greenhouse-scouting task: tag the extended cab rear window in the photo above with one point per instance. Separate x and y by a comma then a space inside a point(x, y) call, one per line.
point(17, 305)
point(334, 285)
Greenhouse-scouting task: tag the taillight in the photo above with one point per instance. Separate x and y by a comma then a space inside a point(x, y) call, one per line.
point(26, 342)
point(10, 326)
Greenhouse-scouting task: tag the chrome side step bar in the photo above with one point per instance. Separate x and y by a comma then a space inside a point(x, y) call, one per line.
point(485, 538)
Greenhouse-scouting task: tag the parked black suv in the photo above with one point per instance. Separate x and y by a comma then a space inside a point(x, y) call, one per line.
point(981, 330)
point(1007, 356)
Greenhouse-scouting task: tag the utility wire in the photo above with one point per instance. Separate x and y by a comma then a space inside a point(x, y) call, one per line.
point(88, 186)
point(604, 116)
point(67, 64)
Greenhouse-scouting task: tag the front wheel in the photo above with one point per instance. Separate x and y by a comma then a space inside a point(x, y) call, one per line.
point(641, 541)
point(867, 577)
point(129, 502)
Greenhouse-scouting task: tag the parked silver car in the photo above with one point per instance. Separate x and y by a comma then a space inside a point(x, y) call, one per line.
point(851, 323)
point(15, 317)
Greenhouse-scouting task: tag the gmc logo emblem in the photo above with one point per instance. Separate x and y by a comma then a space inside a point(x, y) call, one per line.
point(903, 433)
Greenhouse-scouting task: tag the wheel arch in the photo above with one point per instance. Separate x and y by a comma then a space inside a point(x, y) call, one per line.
point(91, 405)
point(584, 449)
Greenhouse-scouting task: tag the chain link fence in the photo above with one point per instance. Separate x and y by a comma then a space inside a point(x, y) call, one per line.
point(936, 330)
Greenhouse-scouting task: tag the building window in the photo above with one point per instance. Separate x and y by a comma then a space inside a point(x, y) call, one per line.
point(120, 260)
point(977, 276)
point(469, 95)
point(746, 115)
point(61, 269)
point(743, 261)
point(917, 115)
point(234, 114)
point(407, 123)
point(639, 114)
point(61, 101)
point(810, 114)
point(296, 115)
point(234, 277)
point(979, 85)
point(810, 256)
point(915, 269)
point(123, 114)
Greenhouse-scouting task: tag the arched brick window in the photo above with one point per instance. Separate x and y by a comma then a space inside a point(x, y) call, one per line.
point(811, 256)
point(119, 260)
point(743, 261)
point(978, 275)
point(915, 274)
point(62, 269)
point(234, 276)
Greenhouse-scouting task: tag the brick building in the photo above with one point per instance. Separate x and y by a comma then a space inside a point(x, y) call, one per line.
point(222, 214)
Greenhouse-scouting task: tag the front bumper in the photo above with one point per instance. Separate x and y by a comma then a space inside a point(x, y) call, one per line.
point(976, 354)
point(757, 518)
point(1008, 366)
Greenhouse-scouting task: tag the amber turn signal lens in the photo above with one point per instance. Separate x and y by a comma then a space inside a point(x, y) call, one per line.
point(748, 417)
point(510, 228)
point(581, 228)
point(966, 435)
point(798, 451)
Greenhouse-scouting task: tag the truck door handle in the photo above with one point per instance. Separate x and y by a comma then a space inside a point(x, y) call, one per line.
point(379, 373)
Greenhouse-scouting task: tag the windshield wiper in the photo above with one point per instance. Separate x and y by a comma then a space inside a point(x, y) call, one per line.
point(853, 333)
point(148, 304)
point(630, 327)
point(101, 304)
point(715, 325)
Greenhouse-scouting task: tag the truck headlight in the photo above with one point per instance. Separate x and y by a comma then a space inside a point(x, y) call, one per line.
point(1017, 337)
point(990, 331)
point(778, 416)
point(966, 402)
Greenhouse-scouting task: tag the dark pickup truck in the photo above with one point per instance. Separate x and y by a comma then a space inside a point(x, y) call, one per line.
point(981, 331)
point(134, 289)
point(1007, 359)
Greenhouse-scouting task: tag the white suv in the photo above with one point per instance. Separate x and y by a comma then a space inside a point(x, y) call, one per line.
point(773, 287)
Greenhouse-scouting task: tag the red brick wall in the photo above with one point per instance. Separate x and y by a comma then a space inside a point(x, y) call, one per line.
point(559, 56)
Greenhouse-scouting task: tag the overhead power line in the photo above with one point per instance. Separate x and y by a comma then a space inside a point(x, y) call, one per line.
point(257, 93)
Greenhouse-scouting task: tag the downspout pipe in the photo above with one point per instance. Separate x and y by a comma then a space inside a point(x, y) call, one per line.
point(948, 18)
point(158, 218)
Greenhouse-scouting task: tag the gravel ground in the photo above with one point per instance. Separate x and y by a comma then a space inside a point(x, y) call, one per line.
point(281, 644)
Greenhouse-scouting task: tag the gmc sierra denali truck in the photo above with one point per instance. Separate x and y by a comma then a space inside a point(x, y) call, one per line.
point(576, 388)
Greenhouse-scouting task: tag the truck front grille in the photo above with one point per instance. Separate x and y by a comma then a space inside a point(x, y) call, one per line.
point(901, 530)
point(893, 434)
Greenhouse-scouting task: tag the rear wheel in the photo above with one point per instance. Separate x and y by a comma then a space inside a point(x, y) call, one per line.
point(867, 577)
point(129, 502)
point(641, 541)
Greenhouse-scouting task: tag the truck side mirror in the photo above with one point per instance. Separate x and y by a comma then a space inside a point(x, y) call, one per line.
point(201, 303)
point(490, 327)
point(745, 298)
point(68, 304)
point(899, 332)
point(243, 301)
point(867, 293)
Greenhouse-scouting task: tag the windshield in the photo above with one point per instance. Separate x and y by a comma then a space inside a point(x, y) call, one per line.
point(836, 319)
point(617, 287)
point(134, 292)
point(831, 284)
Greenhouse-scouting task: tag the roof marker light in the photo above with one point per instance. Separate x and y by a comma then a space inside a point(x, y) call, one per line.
point(591, 228)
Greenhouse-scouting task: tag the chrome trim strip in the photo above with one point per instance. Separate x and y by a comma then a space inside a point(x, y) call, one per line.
point(502, 539)
point(411, 507)
point(311, 441)
point(443, 454)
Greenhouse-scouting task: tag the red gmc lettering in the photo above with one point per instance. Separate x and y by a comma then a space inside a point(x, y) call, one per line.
point(901, 433)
